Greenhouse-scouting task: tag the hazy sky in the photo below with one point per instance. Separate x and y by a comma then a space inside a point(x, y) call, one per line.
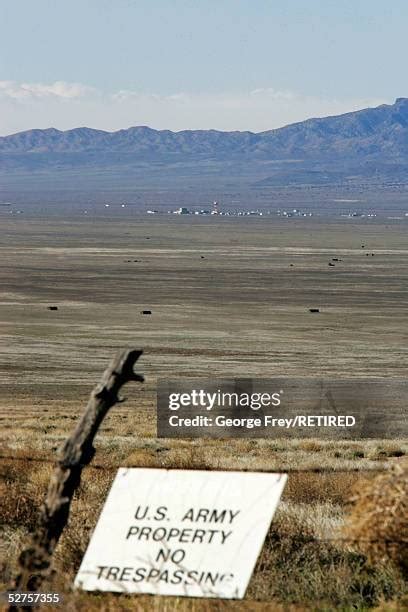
point(182, 64)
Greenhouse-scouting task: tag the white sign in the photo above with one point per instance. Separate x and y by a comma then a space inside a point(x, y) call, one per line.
point(180, 532)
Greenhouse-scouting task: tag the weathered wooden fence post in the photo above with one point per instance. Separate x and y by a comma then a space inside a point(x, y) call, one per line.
point(75, 453)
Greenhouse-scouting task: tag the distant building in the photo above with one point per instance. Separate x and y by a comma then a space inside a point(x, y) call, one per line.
point(182, 211)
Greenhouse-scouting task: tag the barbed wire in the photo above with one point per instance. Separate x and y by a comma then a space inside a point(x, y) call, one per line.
point(287, 470)
point(312, 538)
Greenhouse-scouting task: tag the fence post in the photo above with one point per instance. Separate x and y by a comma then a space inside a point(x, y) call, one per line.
point(77, 451)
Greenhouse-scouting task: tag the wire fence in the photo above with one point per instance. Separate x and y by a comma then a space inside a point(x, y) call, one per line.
point(287, 470)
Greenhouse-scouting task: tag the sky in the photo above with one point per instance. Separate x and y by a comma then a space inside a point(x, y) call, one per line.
point(196, 64)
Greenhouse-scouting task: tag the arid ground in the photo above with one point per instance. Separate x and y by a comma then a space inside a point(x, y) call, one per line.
point(229, 297)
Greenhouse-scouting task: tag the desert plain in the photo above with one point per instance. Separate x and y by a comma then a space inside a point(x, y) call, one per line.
point(229, 297)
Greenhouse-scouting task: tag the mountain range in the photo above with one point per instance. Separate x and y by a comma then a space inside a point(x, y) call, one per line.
point(372, 142)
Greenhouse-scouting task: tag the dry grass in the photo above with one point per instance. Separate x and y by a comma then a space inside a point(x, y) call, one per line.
point(121, 603)
point(296, 566)
point(303, 566)
point(310, 488)
point(378, 522)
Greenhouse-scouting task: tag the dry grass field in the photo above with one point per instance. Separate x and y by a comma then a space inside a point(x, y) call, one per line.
point(229, 297)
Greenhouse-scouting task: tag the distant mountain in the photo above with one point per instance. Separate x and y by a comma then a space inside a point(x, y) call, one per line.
point(373, 141)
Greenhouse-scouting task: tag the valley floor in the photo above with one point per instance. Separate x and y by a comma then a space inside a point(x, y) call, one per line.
point(229, 298)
